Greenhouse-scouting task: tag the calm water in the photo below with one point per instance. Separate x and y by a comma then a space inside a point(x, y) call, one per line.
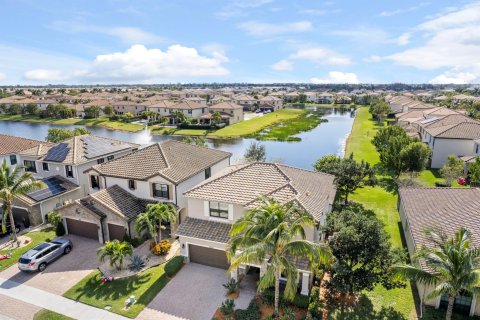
point(327, 138)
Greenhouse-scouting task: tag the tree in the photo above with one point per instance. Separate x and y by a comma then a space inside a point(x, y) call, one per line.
point(379, 108)
point(383, 136)
point(414, 157)
point(198, 141)
point(31, 109)
point(108, 110)
point(452, 170)
point(350, 175)
point(216, 118)
point(60, 134)
point(178, 116)
point(255, 152)
point(115, 251)
point(151, 220)
point(452, 265)
point(474, 170)
point(14, 109)
point(362, 251)
point(275, 232)
point(92, 112)
point(14, 182)
point(390, 145)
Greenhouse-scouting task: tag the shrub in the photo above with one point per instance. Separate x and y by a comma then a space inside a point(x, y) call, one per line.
point(54, 218)
point(173, 265)
point(251, 313)
point(441, 184)
point(288, 314)
point(300, 301)
point(232, 286)
point(160, 248)
point(126, 238)
point(136, 263)
point(318, 276)
point(227, 307)
point(60, 230)
point(136, 242)
point(315, 307)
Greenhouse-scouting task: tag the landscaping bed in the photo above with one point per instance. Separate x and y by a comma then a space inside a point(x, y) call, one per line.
point(49, 315)
point(112, 296)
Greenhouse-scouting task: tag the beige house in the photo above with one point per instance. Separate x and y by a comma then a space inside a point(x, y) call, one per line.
point(232, 112)
point(219, 201)
point(447, 209)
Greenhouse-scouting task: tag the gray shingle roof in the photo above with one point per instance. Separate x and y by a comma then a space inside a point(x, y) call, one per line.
point(204, 229)
point(244, 184)
point(176, 161)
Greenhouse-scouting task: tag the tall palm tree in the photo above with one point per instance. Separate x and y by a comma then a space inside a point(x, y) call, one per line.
point(14, 182)
point(116, 252)
point(452, 266)
point(274, 232)
point(151, 220)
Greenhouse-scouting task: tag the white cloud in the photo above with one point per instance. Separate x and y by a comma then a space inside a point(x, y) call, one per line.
point(2, 76)
point(405, 10)
point(337, 77)
point(321, 56)
point(373, 58)
point(313, 12)
point(449, 77)
point(239, 8)
point(452, 41)
point(282, 65)
point(404, 39)
point(45, 75)
point(364, 34)
point(259, 29)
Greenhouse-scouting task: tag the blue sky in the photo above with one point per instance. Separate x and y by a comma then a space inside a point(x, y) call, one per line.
point(117, 41)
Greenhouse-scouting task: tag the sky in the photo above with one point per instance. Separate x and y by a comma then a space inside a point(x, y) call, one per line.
point(259, 41)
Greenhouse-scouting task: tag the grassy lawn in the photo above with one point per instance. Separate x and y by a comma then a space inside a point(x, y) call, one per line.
point(359, 141)
point(178, 132)
point(49, 315)
point(103, 122)
point(36, 236)
point(145, 286)
point(252, 126)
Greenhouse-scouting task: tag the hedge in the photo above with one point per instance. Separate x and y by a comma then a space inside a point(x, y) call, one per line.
point(301, 301)
point(251, 313)
point(173, 265)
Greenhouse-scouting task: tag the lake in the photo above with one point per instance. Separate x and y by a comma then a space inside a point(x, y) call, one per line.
point(327, 138)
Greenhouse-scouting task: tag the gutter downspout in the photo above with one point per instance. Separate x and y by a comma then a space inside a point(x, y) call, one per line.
point(103, 230)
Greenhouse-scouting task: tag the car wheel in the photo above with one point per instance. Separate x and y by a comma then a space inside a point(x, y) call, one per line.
point(42, 266)
point(67, 250)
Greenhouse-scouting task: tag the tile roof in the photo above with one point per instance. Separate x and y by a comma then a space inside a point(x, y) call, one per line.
point(120, 201)
point(226, 105)
point(204, 229)
point(446, 208)
point(243, 184)
point(13, 145)
point(187, 105)
point(175, 161)
point(464, 130)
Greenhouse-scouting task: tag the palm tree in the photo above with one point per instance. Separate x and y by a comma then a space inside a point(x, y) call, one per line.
point(14, 182)
point(151, 220)
point(451, 265)
point(275, 232)
point(115, 251)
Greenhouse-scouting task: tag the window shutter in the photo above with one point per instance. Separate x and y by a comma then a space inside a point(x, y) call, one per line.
point(206, 208)
point(151, 190)
point(230, 212)
point(170, 191)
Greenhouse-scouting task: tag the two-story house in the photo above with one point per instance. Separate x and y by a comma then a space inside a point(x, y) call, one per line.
point(218, 202)
point(230, 112)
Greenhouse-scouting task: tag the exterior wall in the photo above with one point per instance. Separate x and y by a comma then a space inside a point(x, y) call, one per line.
point(442, 148)
point(185, 241)
point(78, 212)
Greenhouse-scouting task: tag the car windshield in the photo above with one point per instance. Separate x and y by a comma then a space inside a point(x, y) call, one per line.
point(41, 246)
point(57, 242)
point(24, 261)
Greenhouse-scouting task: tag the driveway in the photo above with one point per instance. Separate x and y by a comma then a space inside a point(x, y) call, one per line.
point(194, 293)
point(63, 273)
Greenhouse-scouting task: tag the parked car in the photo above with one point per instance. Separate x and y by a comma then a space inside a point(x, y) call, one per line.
point(9, 228)
point(45, 253)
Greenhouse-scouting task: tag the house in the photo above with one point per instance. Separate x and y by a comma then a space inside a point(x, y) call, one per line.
point(135, 108)
point(189, 108)
point(10, 146)
point(230, 112)
point(325, 98)
point(162, 108)
point(246, 101)
point(106, 215)
point(270, 103)
point(161, 171)
point(447, 209)
point(219, 201)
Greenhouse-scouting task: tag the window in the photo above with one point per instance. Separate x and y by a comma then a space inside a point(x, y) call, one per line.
point(208, 173)
point(94, 182)
point(109, 158)
point(30, 166)
point(45, 166)
point(69, 171)
point(160, 190)
point(189, 111)
point(131, 184)
point(13, 159)
point(476, 148)
point(218, 210)
point(101, 160)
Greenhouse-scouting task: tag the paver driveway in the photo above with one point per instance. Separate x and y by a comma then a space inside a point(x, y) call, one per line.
point(63, 273)
point(194, 293)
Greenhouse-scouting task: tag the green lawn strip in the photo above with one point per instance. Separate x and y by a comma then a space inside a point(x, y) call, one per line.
point(322, 105)
point(252, 126)
point(157, 130)
point(49, 315)
point(144, 286)
point(360, 139)
point(36, 236)
point(286, 130)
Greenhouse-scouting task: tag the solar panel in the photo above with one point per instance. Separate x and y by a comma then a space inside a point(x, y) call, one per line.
point(58, 153)
point(96, 147)
point(54, 187)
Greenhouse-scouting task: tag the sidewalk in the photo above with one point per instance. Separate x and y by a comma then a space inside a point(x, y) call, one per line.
point(59, 304)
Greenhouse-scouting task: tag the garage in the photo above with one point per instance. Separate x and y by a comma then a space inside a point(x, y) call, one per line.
point(208, 256)
point(116, 232)
point(82, 228)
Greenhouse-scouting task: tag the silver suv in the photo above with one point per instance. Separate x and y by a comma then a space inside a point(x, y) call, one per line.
point(39, 257)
